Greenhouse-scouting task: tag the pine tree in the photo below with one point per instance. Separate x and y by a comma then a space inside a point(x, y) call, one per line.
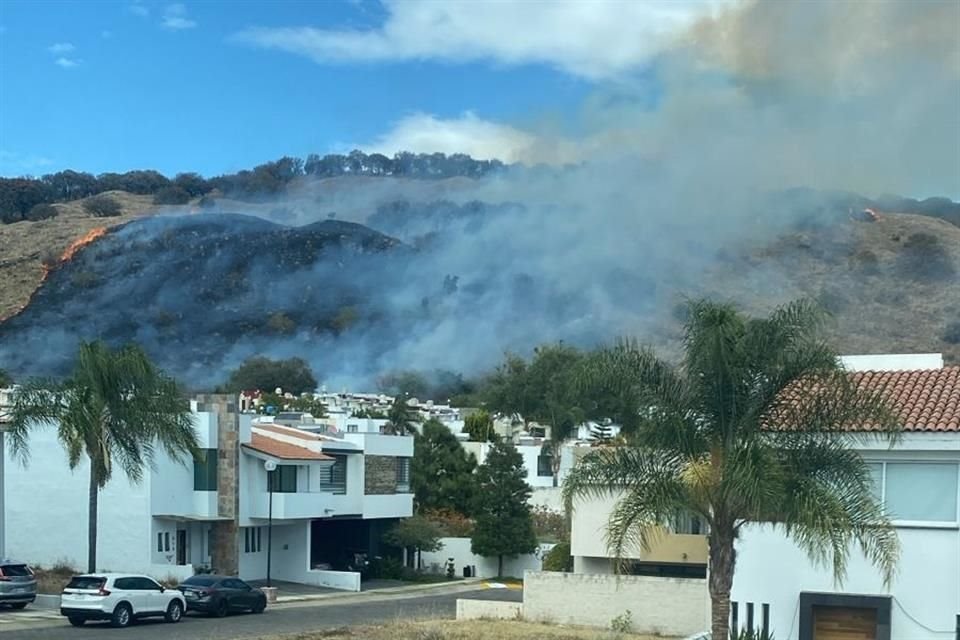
point(442, 470)
point(504, 527)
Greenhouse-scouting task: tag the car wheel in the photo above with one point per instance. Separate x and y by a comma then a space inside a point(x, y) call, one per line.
point(75, 621)
point(18, 605)
point(260, 606)
point(121, 615)
point(174, 612)
point(221, 609)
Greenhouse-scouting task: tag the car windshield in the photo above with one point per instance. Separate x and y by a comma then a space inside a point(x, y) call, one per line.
point(14, 570)
point(86, 582)
point(200, 581)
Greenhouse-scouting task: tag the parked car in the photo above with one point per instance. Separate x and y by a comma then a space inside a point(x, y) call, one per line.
point(18, 586)
point(120, 598)
point(219, 595)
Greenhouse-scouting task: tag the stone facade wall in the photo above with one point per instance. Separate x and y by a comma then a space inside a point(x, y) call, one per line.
point(225, 533)
point(380, 475)
point(673, 607)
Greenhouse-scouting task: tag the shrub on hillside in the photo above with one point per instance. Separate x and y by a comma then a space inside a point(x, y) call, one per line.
point(102, 206)
point(42, 211)
point(171, 195)
point(924, 258)
point(951, 334)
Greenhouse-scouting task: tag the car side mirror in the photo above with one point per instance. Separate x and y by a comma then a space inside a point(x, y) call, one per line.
point(162, 588)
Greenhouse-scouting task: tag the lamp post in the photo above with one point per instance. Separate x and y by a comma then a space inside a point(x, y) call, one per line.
point(271, 468)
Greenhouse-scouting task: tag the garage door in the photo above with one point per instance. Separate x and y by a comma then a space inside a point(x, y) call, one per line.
point(844, 623)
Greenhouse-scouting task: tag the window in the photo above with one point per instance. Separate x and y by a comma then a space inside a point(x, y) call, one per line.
point(544, 466)
point(251, 539)
point(160, 542)
point(403, 475)
point(166, 541)
point(284, 479)
point(352, 428)
point(205, 471)
point(333, 477)
point(923, 492)
point(125, 584)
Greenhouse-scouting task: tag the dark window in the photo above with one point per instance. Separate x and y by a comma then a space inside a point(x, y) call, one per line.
point(125, 584)
point(333, 477)
point(200, 580)
point(403, 475)
point(233, 583)
point(166, 541)
point(205, 471)
point(144, 584)
point(352, 428)
point(246, 540)
point(258, 538)
point(86, 582)
point(284, 479)
point(251, 539)
point(667, 570)
point(544, 466)
point(160, 542)
point(15, 571)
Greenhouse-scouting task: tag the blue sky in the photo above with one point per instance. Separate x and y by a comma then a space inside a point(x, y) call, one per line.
point(109, 86)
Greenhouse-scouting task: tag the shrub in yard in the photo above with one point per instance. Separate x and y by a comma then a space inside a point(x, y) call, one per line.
point(102, 206)
point(171, 195)
point(559, 559)
point(622, 623)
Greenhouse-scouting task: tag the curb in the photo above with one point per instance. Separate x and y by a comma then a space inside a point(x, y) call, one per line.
point(387, 591)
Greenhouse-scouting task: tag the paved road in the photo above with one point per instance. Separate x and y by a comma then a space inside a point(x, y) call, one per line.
point(284, 618)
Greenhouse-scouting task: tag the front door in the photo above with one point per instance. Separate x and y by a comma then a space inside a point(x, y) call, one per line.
point(181, 546)
point(844, 623)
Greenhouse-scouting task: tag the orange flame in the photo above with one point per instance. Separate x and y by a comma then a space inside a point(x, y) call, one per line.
point(80, 243)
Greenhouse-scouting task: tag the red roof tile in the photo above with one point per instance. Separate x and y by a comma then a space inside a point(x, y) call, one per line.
point(923, 400)
point(283, 450)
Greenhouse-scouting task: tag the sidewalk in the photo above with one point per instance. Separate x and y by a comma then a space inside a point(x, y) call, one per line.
point(469, 584)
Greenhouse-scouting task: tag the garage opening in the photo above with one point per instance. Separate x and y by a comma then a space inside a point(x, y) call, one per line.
point(841, 616)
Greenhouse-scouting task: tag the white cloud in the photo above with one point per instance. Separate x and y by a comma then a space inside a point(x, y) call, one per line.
point(66, 63)
point(175, 18)
point(482, 139)
point(61, 47)
point(585, 38)
point(138, 10)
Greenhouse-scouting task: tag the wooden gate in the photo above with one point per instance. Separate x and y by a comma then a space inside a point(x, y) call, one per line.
point(844, 623)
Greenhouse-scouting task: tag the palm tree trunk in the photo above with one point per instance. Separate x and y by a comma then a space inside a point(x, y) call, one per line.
point(92, 520)
point(722, 563)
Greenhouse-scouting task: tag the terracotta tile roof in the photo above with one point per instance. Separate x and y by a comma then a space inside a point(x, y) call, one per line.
point(924, 400)
point(283, 450)
point(287, 431)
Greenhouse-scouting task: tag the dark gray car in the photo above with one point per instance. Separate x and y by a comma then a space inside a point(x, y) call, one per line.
point(18, 586)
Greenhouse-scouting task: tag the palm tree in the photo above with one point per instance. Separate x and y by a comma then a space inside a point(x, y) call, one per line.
point(401, 417)
point(751, 427)
point(115, 409)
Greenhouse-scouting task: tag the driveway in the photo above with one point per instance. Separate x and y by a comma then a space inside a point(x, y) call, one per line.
point(282, 618)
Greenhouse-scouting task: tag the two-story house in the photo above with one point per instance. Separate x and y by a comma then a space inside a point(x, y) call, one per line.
point(330, 498)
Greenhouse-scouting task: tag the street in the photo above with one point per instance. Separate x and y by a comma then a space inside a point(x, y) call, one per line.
point(281, 618)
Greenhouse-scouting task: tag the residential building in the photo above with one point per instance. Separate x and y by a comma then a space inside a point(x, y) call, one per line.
point(332, 498)
point(775, 583)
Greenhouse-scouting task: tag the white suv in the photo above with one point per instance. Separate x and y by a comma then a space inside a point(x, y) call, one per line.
point(119, 598)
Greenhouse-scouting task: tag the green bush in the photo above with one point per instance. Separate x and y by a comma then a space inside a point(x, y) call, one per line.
point(924, 258)
point(102, 206)
point(951, 334)
point(42, 211)
point(171, 195)
point(622, 623)
point(559, 559)
point(386, 569)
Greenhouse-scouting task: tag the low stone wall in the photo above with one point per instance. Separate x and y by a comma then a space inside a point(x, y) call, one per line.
point(659, 606)
point(488, 609)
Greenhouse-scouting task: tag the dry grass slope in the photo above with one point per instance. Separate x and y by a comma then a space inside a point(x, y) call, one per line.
point(472, 630)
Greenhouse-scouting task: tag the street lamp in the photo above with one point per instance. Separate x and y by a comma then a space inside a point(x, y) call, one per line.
point(271, 468)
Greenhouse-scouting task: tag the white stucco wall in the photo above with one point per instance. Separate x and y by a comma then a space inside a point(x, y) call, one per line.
point(46, 512)
point(459, 550)
point(290, 560)
point(772, 569)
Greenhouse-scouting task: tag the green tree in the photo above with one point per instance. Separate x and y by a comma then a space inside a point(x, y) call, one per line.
point(102, 206)
point(402, 417)
point(442, 470)
point(545, 391)
point(310, 404)
point(403, 384)
point(417, 533)
point(115, 409)
point(479, 426)
point(292, 375)
point(504, 527)
point(704, 443)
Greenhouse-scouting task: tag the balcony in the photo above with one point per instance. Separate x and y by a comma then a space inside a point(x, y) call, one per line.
point(303, 505)
point(680, 548)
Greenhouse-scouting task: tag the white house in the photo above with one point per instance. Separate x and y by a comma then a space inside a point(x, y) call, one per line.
point(332, 499)
point(778, 588)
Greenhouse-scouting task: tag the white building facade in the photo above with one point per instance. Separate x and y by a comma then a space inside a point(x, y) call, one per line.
point(332, 499)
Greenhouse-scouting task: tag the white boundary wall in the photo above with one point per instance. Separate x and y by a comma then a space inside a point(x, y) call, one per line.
point(661, 606)
point(459, 550)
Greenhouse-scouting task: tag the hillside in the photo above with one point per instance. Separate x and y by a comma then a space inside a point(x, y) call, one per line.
point(428, 283)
